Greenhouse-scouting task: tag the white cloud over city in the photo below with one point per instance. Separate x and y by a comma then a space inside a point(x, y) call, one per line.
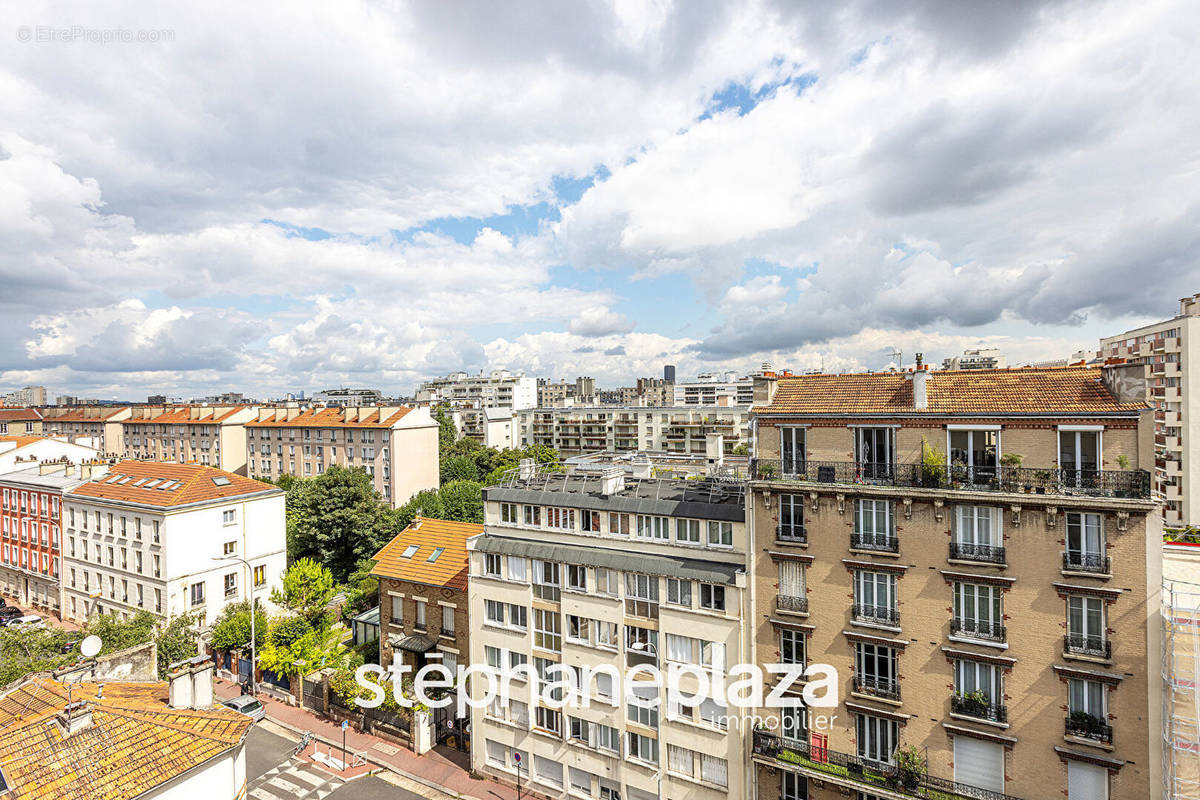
point(372, 193)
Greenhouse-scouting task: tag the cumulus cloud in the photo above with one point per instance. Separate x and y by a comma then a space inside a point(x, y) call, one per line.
point(600, 321)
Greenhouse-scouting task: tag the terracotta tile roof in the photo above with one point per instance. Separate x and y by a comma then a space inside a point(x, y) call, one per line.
point(135, 742)
point(84, 414)
point(8, 414)
point(182, 415)
point(188, 483)
point(450, 568)
point(329, 418)
point(1050, 390)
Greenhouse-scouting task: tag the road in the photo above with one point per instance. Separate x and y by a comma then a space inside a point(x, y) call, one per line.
point(268, 752)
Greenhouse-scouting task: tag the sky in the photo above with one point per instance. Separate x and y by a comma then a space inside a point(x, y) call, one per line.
point(267, 198)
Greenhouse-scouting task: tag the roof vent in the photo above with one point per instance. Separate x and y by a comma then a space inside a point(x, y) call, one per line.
point(612, 481)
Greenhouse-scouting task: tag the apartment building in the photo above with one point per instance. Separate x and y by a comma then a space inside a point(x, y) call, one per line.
point(1166, 347)
point(214, 436)
point(29, 396)
point(713, 389)
point(348, 397)
point(24, 452)
point(978, 555)
point(396, 445)
point(101, 424)
point(491, 427)
point(670, 430)
point(422, 576)
point(499, 388)
point(978, 358)
point(31, 533)
point(608, 573)
point(20, 421)
point(169, 539)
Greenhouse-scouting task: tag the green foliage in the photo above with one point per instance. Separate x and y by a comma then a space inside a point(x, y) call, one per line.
point(459, 468)
point(315, 649)
point(306, 590)
point(742, 449)
point(231, 631)
point(462, 501)
point(909, 759)
point(26, 650)
point(1123, 461)
point(1012, 459)
point(176, 641)
point(286, 631)
point(337, 518)
point(362, 590)
point(447, 432)
point(933, 464)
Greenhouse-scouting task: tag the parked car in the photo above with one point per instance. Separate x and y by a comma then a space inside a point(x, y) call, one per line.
point(28, 621)
point(252, 707)
point(9, 613)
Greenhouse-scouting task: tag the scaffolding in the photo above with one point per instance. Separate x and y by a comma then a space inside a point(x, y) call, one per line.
point(1181, 700)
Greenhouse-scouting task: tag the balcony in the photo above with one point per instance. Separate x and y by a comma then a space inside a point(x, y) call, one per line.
point(791, 534)
point(1133, 484)
point(791, 605)
point(851, 772)
point(884, 543)
point(978, 629)
point(1086, 562)
point(973, 705)
point(887, 688)
point(982, 553)
point(1078, 644)
point(1086, 726)
point(878, 615)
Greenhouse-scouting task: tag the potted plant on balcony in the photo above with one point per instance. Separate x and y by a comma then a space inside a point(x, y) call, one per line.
point(933, 466)
point(975, 703)
point(1010, 463)
point(1123, 461)
point(766, 471)
point(1042, 476)
point(1085, 724)
point(910, 766)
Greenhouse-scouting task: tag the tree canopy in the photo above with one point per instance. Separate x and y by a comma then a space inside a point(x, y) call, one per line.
point(306, 590)
point(337, 519)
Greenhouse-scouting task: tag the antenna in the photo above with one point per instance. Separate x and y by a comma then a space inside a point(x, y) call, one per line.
point(898, 357)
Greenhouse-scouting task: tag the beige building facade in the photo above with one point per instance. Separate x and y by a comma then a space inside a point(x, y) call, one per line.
point(100, 423)
point(587, 429)
point(213, 436)
point(979, 557)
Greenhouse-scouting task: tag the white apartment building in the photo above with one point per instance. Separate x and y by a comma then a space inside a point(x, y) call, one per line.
point(102, 424)
point(1167, 348)
point(714, 389)
point(163, 538)
point(491, 427)
point(23, 452)
point(499, 388)
point(209, 435)
point(677, 430)
point(607, 572)
point(348, 397)
point(396, 445)
point(979, 358)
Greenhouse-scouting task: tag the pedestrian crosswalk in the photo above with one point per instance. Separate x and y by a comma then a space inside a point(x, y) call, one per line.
point(296, 780)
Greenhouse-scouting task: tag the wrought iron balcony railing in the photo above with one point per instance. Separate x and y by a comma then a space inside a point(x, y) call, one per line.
point(981, 709)
point(1089, 645)
point(790, 603)
point(791, 534)
point(985, 553)
point(887, 688)
point(883, 615)
point(885, 543)
point(978, 629)
point(1089, 727)
point(1074, 561)
point(867, 773)
point(1000, 478)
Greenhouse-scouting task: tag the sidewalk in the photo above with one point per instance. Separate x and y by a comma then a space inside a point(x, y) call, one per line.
point(439, 769)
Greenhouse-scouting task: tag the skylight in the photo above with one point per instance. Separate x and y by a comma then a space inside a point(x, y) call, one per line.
point(410, 551)
point(150, 483)
point(437, 551)
point(221, 480)
point(140, 481)
point(126, 479)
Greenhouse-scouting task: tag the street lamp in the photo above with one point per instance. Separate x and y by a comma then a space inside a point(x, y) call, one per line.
point(250, 591)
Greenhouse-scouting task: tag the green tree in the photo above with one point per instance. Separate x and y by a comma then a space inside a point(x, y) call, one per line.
point(462, 501)
point(362, 589)
point(337, 518)
point(427, 503)
point(314, 650)
point(177, 640)
point(459, 468)
point(286, 631)
point(26, 650)
point(447, 431)
point(306, 590)
point(231, 631)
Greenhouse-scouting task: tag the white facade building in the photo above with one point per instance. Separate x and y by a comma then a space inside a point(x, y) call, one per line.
point(714, 389)
point(500, 388)
point(979, 358)
point(159, 537)
point(24, 452)
point(491, 427)
point(675, 430)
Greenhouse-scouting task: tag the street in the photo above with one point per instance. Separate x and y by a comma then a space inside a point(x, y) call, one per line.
point(272, 774)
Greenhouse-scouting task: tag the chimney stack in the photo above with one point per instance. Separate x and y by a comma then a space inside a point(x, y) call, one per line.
point(920, 391)
point(528, 469)
point(75, 717)
point(643, 468)
point(612, 480)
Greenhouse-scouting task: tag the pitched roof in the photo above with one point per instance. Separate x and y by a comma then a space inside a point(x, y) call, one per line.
point(449, 569)
point(84, 413)
point(331, 418)
point(1029, 390)
point(182, 415)
point(143, 482)
point(19, 414)
point(22, 441)
point(135, 742)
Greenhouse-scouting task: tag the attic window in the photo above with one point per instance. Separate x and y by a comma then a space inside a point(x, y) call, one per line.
point(410, 551)
point(221, 480)
point(125, 480)
point(140, 481)
point(114, 478)
point(150, 483)
point(437, 551)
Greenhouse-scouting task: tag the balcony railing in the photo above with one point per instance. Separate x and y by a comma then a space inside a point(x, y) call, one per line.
point(887, 688)
point(1001, 478)
point(985, 553)
point(886, 543)
point(883, 615)
point(792, 534)
point(980, 709)
point(1079, 644)
point(1086, 562)
point(785, 603)
point(1089, 727)
point(863, 772)
point(978, 629)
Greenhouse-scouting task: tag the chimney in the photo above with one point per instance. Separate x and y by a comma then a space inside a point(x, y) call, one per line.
point(202, 685)
point(179, 692)
point(764, 389)
point(75, 717)
point(643, 468)
point(612, 480)
point(919, 379)
point(528, 468)
point(85, 472)
point(714, 451)
point(1128, 383)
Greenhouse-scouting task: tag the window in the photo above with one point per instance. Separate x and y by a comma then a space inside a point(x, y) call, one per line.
point(508, 513)
point(642, 748)
point(260, 572)
point(533, 515)
point(687, 531)
point(580, 781)
point(197, 594)
point(791, 646)
point(973, 455)
point(791, 449)
point(447, 621)
point(680, 760)
point(1085, 625)
point(653, 527)
point(493, 611)
point(231, 584)
point(1085, 543)
point(712, 597)
point(720, 534)
point(1079, 456)
point(795, 787)
point(607, 737)
point(875, 597)
point(589, 521)
point(548, 720)
point(578, 629)
point(548, 770)
point(791, 518)
point(641, 595)
point(561, 518)
point(516, 569)
point(873, 452)
point(977, 534)
point(873, 524)
point(229, 548)
point(547, 630)
point(518, 616)
point(419, 619)
point(679, 592)
point(793, 596)
point(875, 670)
point(713, 713)
point(877, 738)
point(642, 707)
point(546, 581)
point(410, 551)
point(491, 565)
point(976, 679)
point(607, 581)
point(229, 516)
point(977, 611)
point(618, 524)
point(714, 770)
point(577, 577)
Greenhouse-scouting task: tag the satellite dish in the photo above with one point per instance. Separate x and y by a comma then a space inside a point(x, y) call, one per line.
point(90, 646)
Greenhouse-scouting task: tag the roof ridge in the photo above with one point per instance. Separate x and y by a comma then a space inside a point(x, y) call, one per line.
point(150, 715)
